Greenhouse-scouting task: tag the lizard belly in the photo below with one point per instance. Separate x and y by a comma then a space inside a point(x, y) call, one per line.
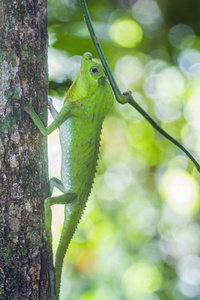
point(65, 140)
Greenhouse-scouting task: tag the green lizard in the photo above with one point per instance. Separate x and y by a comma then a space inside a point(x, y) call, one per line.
point(87, 102)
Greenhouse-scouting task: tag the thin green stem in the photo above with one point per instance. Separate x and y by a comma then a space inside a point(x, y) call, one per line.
point(163, 132)
point(126, 96)
point(120, 98)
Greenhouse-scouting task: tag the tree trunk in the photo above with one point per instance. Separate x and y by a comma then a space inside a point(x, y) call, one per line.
point(25, 263)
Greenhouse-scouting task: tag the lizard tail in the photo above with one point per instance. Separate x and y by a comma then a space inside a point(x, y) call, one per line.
point(72, 217)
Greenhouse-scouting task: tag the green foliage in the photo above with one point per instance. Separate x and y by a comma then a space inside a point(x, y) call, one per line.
point(139, 238)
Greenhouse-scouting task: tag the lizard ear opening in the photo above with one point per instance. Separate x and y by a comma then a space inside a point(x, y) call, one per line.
point(102, 80)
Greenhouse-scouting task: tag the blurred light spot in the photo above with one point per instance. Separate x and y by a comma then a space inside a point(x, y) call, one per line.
point(69, 3)
point(180, 236)
point(78, 29)
point(128, 70)
point(54, 151)
point(181, 191)
point(181, 36)
point(168, 109)
point(146, 297)
point(178, 162)
point(191, 139)
point(142, 278)
point(86, 263)
point(192, 109)
point(60, 66)
point(188, 290)
point(151, 252)
point(189, 62)
point(149, 86)
point(126, 32)
point(169, 82)
point(84, 231)
point(189, 270)
point(118, 177)
point(148, 14)
point(109, 199)
point(155, 66)
point(140, 134)
point(114, 142)
point(96, 292)
point(139, 211)
point(52, 36)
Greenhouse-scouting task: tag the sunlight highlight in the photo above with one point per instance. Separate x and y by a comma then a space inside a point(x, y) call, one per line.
point(181, 191)
point(142, 278)
point(126, 33)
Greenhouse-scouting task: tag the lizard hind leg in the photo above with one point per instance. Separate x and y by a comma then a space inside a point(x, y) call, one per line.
point(62, 199)
point(66, 199)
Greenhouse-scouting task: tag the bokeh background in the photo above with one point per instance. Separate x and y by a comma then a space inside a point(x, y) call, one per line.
point(139, 238)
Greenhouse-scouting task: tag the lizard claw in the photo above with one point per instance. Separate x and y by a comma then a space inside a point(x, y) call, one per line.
point(18, 105)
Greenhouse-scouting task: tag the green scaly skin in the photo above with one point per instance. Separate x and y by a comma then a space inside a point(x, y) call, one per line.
point(88, 101)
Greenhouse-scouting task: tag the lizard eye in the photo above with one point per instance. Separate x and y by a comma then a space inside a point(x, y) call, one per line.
point(94, 70)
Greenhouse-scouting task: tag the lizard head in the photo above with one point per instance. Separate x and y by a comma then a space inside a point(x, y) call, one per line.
point(91, 88)
point(92, 72)
point(90, 78)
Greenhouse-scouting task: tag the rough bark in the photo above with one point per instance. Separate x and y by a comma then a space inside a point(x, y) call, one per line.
point(25, 263)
